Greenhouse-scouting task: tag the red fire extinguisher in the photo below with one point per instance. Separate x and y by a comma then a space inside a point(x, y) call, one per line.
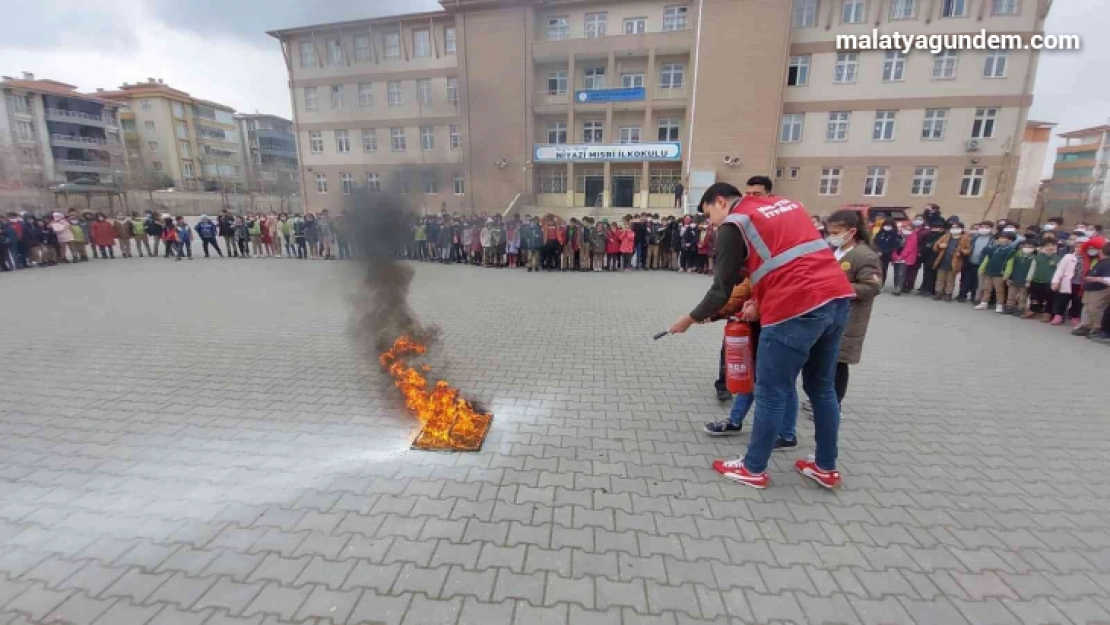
point(739, 368)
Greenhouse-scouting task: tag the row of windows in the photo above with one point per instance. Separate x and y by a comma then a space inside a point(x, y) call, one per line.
point(877, 181)
point(932, 129)
point(660, 181)
point(855, 11)
point(597, 24)
point(429, 183)
point(394, 94)
point(846, 70)
point(398, 141)
point(336, 53)
point(593, 131)
point(671, 76)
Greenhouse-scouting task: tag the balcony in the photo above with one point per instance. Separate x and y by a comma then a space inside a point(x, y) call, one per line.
point(668, 42)
point(87, 143)
point(77, 117)
point(680, 92)
point(96, 167)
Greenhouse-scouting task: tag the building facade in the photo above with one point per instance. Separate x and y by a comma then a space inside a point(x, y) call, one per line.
point(269, 149)
point(1078, 180)
point(176, 140)
point(1030, 176)
point(50, 133)
point(608, 104)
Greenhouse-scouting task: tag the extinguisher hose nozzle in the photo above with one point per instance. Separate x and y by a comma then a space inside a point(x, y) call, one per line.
point(660, 335)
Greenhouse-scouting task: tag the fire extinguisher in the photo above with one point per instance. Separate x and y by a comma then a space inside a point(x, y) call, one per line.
point(739, 367)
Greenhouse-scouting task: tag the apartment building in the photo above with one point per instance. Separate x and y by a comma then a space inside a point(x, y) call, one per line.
point(269, 149)
point(1078, 180)
point(175, 139)
point(1030, 174)
point(50, 133)
point(608, 104)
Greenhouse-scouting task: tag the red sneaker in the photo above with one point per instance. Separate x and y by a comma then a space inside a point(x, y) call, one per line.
point(808, 468)
point(735, 471)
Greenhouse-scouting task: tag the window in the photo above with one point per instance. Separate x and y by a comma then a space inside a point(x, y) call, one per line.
point(149, 125)
point(25, 130)
point(362, 47)
point(903, 9)
point(373, 183)
point(629, 134)
point(182, 130)
point(152, 145)
point(369, 140)
point(321, 184)
point(22, 104)
point(875, 185)
point(673, 75)
point(553, 181)
point(632, 81)
point(596, 24)
point(995, 65)
point(983, 126)
point(456, 136)
point(342, 141)
point(316, 141)
point(557, 82)
point(779, 173)
point(186, 151)
point(595, 78)
point(557, 132)
point(311, 99)
point(424, 90)
point(450, 43)
point(365, 94)
point(838, 126)
point(894, 66)
point(337, 96)
point(668, 129)
point(348, 181)
point(397, 139)
point(187, 169)
point(156, 165)
point(805, 13)
point(935, 120)
point(972, 183)
point(146, 104)
point(954, 8)
point(847, 64)
point(924, 181)
point(592, 132)
point(944, 65)
point(1004, 7)
point(460, 185)
point(178, 109)
point(402, 182)
point(452, 90)
point(674, 18)
point(884, 126)
point(557, 28)
point(830, 181)
point(853, 12)
point(430, 183)
point(335, 52)
point(392, 44)
point(421, 44)
point(427, 138)
point(791, 131)
point(394, 91)
point(798, 75)
point(795, 173)
point(635, 25)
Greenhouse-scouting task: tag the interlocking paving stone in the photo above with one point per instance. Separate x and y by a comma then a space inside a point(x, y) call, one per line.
point(219, 449)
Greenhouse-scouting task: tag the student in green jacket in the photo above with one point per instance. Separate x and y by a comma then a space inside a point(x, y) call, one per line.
point(995, 269)
point(1040, 280)
point(1017, 282)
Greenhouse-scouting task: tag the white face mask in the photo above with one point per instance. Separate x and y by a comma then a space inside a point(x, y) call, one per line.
point(888, 228)
point(984, 230)
point(1009, 229)
point(1092, 252)
point(1092, 232)
point(1027, 251)
point(956, 231)
point(918, 222)
point(838, 240)
point(907, 232)
point(1049, 227)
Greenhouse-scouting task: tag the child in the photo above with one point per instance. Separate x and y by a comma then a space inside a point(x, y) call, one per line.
point(689, 236)
point(104, 236)
point(78, 245)
point(1018, 282)
point(994, 271)
point(124, 233)
point(184, 239)
point(1067, 283)
point(705, 243)
point(169, 236)
point(138, 231)
point(952, 251)
point(1041, 275)
point(598, 244)
point(256, 227)
point(243, 237)
point(613, 247)
point(47, 244)
point(904, 255)
point(848, 234)
point(628, 246)
point(1096, 292)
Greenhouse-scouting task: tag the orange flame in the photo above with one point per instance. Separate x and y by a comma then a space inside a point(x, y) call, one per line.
point(449, 421)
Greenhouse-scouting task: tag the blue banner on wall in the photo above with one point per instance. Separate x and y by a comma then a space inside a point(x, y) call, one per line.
point(610, 95)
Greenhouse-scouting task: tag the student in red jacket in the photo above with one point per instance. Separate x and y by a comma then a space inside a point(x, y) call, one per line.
point(103, 235)
point(628, 246)
point(613, 247)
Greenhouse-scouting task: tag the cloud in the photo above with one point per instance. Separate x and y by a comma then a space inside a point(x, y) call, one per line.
point(71, 24)
point(249, 20)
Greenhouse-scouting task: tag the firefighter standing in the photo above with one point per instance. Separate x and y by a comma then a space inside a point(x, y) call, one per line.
point(802, 297)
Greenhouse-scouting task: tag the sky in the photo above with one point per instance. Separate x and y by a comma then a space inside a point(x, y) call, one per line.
point(218, 49)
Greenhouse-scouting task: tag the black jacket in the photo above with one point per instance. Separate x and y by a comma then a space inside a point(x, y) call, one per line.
point(887, 242)
point(226, 224)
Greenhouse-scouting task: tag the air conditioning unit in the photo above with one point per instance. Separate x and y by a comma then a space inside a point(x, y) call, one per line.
point(972, 145)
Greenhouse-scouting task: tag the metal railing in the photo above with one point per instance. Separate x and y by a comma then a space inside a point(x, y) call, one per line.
point(70, 115)
point(547, 97)
point(564, 34)
point(84, 140)
point(83, 165)
point(670, 93)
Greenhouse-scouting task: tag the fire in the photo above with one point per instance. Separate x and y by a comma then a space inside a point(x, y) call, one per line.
point(448, 421)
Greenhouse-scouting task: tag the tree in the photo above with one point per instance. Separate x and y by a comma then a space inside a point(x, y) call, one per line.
point(150, 181)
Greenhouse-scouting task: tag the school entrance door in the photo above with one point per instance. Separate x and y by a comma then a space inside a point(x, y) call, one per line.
point(624, 191)
point(595, 187)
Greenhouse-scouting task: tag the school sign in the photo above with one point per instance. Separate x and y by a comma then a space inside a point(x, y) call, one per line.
point(600, 153)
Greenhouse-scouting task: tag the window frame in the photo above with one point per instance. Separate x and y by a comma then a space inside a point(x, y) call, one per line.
point(424, 91)
point(969, 181)
point(894, 66)
point(391, 46)
point(800, 118)
point(347, 182)
point(559, 76)
point(993, 61)
point(558, 27)
point(313, 103)
point(421, 43)
point(452, 90)
point(316, 141)
point(831, 181)
point(369, 140)
point(336, 92)
point(841, 125)
point(459, 185)
point(638, 24)
point(629, 80)
point(984, 123)
point(335, 52)
point(803, 14)
point(428, 181)
point(930, 124)
point(672, 76)
point(591, 76)
point(342, 141)
point(862, 10)
point(450, 40)
point(1016, 4)
point(362, 53)
point(948, 62)
point(152, 146)
point(308, 60)
point(897, 15)
point(454, 134)
point(391, 92)
point(593, 132)
point(885, 126)
point(638, 131)
point(676, 17)
point(398, 142)
point(321, 184)
point(876, 179)
point(924, 183)
point(554, 130)
point(595, 24)
point(846, 66)
point(373, 182)
point(427, 138)
point(365, 95)
point(947, 9)
point(799, 67)
point(667, 124)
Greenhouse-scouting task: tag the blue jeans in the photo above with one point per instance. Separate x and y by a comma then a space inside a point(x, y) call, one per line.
point(743, 403)
point(809, 345)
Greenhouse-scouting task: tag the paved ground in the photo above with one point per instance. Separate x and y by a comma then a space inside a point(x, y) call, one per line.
point(188, 443)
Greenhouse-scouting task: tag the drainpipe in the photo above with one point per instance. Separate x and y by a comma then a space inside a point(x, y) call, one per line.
point(693, 106)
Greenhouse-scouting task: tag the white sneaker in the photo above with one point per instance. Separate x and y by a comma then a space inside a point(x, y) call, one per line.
point(1000, 308)
point(982, 306)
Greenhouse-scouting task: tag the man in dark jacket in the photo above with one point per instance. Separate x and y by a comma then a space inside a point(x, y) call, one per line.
point(639, 229)
point(153, 227)
point(226, 227)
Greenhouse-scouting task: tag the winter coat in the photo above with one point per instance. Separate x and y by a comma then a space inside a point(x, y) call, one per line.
point(706, 243)
point(689, 238)
point(207, 230)
point(628, 241)
point(613, 241)
point(311, 231)
point(123, 230)
point(79, 234)
point(1065, 271)
point(886, 242)
point(226, 225)
point(861, 265)
point(908, 253)
point(103, 234)
point(62, 230)
point(962, 251)
point(153, 227)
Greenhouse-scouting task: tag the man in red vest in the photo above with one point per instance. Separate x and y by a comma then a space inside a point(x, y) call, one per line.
point(802, 298)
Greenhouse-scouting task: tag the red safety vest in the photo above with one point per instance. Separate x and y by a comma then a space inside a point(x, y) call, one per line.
point(791, 267)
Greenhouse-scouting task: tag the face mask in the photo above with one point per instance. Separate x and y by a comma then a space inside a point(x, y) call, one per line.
point(1027, 250)
point(984, 231)
point(836, 240)
point(1092, 252)
point(956, 231)
point(906, 232)
point(1049, 227)
point(1009, 229)
point(1091, 233)
point(1081, 239)
point(917, 222)
point(888, 228)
